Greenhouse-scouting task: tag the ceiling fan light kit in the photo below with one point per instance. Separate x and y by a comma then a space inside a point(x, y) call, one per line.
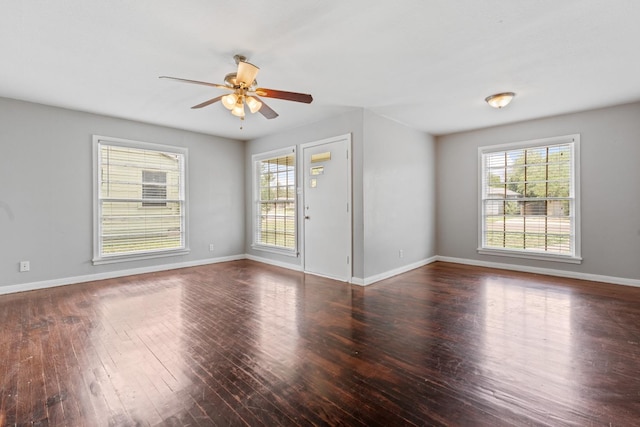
point(244, 90)
point(238, 109)
point(229, 101)
point(500, 100)
point(253, 104)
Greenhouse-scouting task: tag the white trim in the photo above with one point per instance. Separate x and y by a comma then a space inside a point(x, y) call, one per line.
point(273, 262)
point(546, 271)
point(275, 250)
point(337, 279)
point(144, 255)
point(532, 142)
point(387, 274)
point(514, 253)
point(97, 141)
point(255, 187)
point(577, 214)
point(8, 289)
point(574, 141)
point(112, 274)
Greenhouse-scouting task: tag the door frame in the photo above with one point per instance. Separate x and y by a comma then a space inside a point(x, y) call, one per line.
point(301, 212)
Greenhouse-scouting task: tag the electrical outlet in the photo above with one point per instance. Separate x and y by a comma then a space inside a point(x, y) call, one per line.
point(400, 253)
point(24, 266)
point(211, 248)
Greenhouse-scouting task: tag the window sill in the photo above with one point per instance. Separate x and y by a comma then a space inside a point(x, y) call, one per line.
point(531, 255)
point(280, 251)
point(138, 257)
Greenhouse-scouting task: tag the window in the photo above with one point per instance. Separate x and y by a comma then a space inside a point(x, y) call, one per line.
point(529, 204)
point(154, 186)
point(140, 205)
point(275, 201)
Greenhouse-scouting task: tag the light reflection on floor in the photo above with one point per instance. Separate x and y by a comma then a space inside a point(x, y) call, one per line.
point(527, 332)
point(141, 350)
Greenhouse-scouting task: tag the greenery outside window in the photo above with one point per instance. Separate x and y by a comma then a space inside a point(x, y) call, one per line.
point(529, 199)
point(140, 200)
point(275, 201)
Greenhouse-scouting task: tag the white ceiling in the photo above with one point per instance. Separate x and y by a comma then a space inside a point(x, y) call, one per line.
point(425, 63)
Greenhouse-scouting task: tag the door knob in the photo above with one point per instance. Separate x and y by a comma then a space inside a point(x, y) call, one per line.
point(307, 217)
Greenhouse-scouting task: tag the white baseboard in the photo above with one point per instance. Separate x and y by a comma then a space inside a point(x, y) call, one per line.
point(354, 280)
point(111, 274)
point(547, 271)
point(273, 262)
point(378, 277)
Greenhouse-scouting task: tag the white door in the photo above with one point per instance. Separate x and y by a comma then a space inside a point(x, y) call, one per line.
point(327, 208)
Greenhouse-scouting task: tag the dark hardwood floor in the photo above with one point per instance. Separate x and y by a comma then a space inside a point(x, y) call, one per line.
point(242, 343)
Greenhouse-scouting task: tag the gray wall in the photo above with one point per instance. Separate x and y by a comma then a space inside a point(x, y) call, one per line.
point(399, 195)
point(393, 189)
point(610, 182)
point(399, 202)
point(350, 123)
point(46, 197)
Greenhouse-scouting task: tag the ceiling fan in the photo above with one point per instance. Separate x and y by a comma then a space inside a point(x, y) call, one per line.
point(242, 85)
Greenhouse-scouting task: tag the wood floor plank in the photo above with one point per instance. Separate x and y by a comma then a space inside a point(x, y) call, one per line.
point(30, 404)
point(50, 354)
point(11, 338)
point(247, 344)
point(69, 333)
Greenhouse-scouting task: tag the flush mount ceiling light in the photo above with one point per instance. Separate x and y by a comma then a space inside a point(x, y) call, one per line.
point(500, 100)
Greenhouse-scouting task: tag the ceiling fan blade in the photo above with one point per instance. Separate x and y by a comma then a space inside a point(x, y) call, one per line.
point(281, 94)
point(209, 102)
point(247, 73)
point(266, 111)
point(197, 82)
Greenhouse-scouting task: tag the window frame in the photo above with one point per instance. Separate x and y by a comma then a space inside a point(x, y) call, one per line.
point(575, 257)
point(100, 258)
point(256, 159)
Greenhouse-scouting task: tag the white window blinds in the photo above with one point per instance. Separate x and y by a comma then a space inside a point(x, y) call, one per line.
point(528, 197)
point(141, 199)
point(275, 219)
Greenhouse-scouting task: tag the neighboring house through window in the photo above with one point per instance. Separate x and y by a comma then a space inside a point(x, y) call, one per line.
point(529, 199)
point(140, 202)
point(154, 186)
point(275, 201)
